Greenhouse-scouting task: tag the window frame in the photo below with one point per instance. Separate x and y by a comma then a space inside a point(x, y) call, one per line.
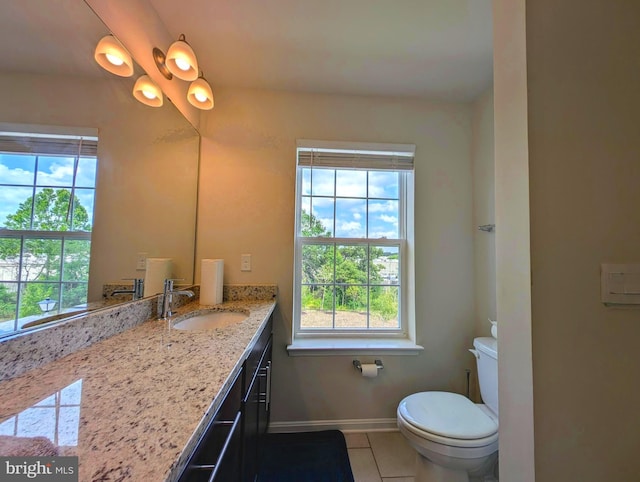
point(333, 339)
point(39, 142)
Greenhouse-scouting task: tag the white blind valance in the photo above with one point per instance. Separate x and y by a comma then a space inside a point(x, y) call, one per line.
point(45, 145)
point(396, 157)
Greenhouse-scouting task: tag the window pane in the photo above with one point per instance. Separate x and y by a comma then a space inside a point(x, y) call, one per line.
point(322, 182)
point(55, 171)
point(9, 258)
point(321, 222)
point(68, 424)
point(71, 394)
point(352, 318)
point(351, 183)
point(351, 264)
point(8, 303)
point(385, 265)
point(37, 422)
point(384, 219)
point(17, 169)
point(316, 306)
point(351, 218)
point(86, 175)
point(305, 217)
point(33, 293)
point(15, 207)
point(76, 260)
point(51, 210)
point(384, 184)
point(73, 294)
point(305, 188)
point(384, 307)
point(41, 260)
point(83, 210)
point(317, 263)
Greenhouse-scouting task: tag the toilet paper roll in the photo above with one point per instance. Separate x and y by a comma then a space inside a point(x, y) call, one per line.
point(211, 281)
point(369, 370)
point(158, 270)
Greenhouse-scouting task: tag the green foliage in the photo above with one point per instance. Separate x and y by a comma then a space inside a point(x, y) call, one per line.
point(42, 256)
point(350, 270)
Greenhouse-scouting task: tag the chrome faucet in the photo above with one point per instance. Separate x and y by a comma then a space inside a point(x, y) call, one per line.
point(137, 291)
point(165, 302)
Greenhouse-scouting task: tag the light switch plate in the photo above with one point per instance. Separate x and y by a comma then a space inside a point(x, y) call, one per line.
point(245, 262)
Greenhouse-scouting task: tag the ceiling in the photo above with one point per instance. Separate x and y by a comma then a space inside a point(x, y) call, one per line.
point(433, 49)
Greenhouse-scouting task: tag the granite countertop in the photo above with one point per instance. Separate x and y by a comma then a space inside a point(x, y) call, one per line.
point(131, 407)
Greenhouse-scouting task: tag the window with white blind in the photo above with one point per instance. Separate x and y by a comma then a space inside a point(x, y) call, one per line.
point(47, 191)
point(353, 267)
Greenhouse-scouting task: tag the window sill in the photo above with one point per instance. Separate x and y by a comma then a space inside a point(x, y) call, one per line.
point(351, 346)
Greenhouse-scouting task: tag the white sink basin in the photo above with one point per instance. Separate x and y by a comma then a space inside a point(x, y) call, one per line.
point(211, 320)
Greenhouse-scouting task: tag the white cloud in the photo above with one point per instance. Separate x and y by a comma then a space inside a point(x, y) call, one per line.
point(389, 219)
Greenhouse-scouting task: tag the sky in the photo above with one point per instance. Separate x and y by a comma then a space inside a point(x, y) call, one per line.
point(17, 173)
point(361, 200)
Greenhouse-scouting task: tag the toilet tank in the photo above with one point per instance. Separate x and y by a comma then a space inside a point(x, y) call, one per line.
point(487, 361)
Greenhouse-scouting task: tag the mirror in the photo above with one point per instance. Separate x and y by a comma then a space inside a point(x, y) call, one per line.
point(146, 181)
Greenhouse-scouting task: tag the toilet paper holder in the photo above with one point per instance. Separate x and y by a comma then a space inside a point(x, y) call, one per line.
point(358, 365)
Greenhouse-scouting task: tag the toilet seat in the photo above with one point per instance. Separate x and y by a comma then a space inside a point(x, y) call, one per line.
point(447, 418)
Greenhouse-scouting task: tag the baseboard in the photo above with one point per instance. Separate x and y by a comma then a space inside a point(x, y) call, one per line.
point(353, 425)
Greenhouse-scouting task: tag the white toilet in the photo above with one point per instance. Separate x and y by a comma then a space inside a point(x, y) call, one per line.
point(456, 439)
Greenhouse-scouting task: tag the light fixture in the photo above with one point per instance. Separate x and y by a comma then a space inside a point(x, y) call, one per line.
point(181, 60)
point(47, 305)
point(147, 91)
point(113, 57)
point(200, 94)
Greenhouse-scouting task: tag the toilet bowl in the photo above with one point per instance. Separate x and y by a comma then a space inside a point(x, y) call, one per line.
point(455, 439)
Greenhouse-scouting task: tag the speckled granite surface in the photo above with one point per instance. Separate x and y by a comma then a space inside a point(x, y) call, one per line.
point(132, 406)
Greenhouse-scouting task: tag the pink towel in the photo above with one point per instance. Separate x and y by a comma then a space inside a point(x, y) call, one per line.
point(27, 446)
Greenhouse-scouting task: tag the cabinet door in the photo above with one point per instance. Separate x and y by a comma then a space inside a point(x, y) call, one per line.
point(264, 377)
point(218, 453)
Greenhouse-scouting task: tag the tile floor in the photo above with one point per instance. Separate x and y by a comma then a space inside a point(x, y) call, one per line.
point(384, 457)
point(380, 457)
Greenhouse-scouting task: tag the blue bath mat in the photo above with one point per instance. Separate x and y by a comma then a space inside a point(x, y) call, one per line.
point(305, 457)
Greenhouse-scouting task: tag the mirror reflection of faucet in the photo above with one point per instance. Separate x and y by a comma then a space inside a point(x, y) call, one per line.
point(165, 302)
point(137, 291)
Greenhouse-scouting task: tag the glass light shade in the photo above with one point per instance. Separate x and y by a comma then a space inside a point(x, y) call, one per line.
point(181, 60)
point(200, 94)
point(147, 91)
point(47, 305)
point(113, 57)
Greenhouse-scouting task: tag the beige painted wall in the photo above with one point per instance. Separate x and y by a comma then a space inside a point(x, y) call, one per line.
point(513, 274)
point(584, 117)
point(246, 205)
point(483, 162)
point(147, 168)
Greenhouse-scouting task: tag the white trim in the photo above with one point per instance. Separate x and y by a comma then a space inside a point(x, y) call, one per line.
point(351, 346)
point(348, 425)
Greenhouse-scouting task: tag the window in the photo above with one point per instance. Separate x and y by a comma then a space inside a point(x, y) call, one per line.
point(47, 191)
point(353, 246)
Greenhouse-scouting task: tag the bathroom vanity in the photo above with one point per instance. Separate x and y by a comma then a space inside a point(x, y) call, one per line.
point(153, 402)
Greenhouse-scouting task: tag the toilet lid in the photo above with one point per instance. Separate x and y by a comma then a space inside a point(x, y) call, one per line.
point(447, 414)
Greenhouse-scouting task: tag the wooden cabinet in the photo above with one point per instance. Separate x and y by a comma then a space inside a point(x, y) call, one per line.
point(229, 449)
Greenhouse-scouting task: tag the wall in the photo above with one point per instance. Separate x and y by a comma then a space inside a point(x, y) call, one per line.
point(247, 194)
point(513, 273)
point(483, 162)
point(584, 113)
point(146, 179)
